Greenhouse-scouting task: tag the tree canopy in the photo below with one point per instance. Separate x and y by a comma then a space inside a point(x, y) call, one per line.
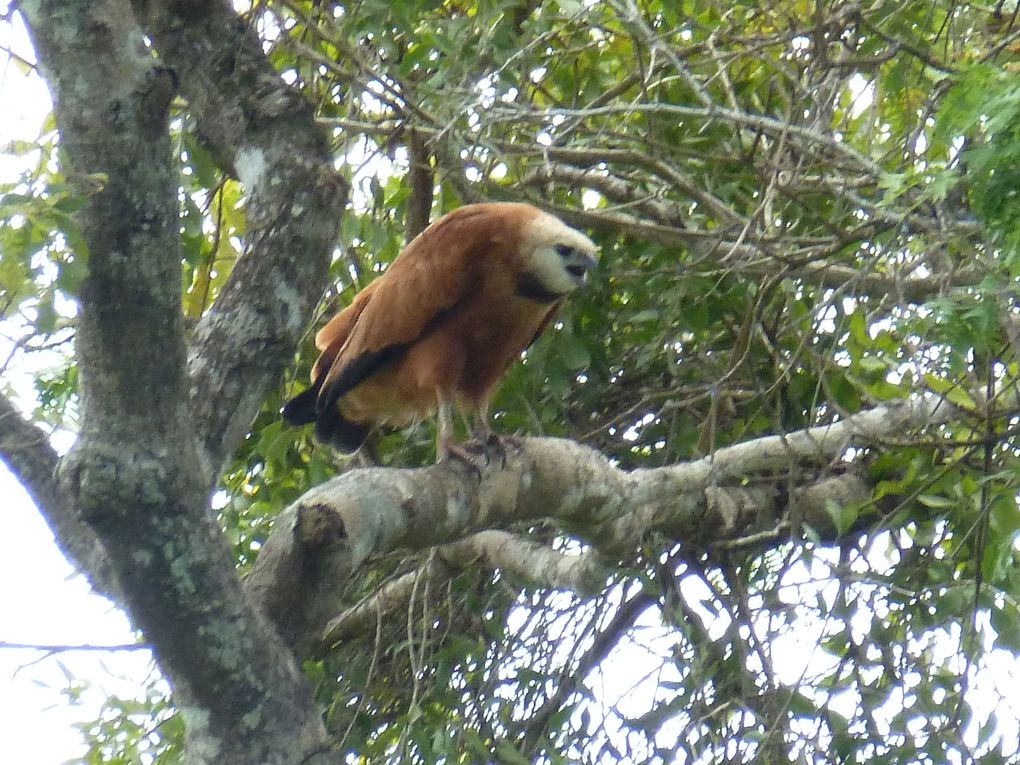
point(766, 505)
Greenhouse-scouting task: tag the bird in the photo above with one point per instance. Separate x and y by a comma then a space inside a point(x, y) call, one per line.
point(438, 329)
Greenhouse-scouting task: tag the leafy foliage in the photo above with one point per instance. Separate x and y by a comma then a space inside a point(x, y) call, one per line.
point(804, 210)
point(132, 731)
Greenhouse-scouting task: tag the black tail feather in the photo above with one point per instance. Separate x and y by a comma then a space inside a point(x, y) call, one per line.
point(331, 427)
point(303, 408)
point(334, 429)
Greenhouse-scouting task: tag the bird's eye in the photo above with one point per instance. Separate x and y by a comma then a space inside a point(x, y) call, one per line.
point(563, 250)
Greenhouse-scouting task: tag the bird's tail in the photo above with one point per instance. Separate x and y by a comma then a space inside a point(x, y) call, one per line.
point(334, 429)
point(331, 427)
point(302, 409)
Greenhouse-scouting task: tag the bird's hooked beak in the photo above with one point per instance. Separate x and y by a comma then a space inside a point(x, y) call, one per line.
point(579, 265)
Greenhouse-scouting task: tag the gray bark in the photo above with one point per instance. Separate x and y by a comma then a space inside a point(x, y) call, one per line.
point(152, 438)
point(263, 131)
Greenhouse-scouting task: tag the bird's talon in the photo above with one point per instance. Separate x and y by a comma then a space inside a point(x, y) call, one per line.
point(506, 441)
point(451, 452)
point(501, 445)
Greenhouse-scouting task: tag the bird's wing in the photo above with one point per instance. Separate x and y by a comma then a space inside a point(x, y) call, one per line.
point(331, 338)
point(439, 269)
point(303, 408)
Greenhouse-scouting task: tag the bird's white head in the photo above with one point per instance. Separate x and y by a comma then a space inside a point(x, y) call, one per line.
point(557, 258)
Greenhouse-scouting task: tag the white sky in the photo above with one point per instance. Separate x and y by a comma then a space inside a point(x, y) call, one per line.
point(42, 601)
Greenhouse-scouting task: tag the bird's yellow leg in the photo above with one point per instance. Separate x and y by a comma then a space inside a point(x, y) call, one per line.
point(482, 430)
point(446, 446)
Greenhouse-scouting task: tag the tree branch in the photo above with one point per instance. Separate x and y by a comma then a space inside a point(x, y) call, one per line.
point(25, 449)
point(262, 130)
point(583, 573)
point(575, 674)
point(84, 647)
point(494, 549)
point(660, 222)
point(421, 179)
point(612, 188)
point(325, 536)
point(809, 139)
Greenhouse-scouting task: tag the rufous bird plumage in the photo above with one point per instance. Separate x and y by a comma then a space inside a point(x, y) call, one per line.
point(439, 328)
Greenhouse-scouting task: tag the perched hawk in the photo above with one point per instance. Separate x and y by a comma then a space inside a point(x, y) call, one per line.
point(440, 327)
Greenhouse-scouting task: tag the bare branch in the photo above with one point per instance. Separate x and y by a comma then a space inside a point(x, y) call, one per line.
point(582, 157)
point(494, 549)
point(809, 265)
point(604, 642)
point(49, 651)
point(421, 179)
point(812, 140)
point(662, 222)
point(612, 188)
point(628, 12)
point(583, 573)
point(391, 597)
point(87, 648)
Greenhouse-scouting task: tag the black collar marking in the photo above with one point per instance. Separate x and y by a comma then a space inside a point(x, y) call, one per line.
point(531, 288)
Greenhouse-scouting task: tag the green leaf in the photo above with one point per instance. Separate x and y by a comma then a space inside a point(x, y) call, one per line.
point(936, 502)
point(843, 515)
point(508, 753)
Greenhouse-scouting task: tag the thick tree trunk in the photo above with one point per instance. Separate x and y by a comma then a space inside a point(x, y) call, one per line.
point(152, 439)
